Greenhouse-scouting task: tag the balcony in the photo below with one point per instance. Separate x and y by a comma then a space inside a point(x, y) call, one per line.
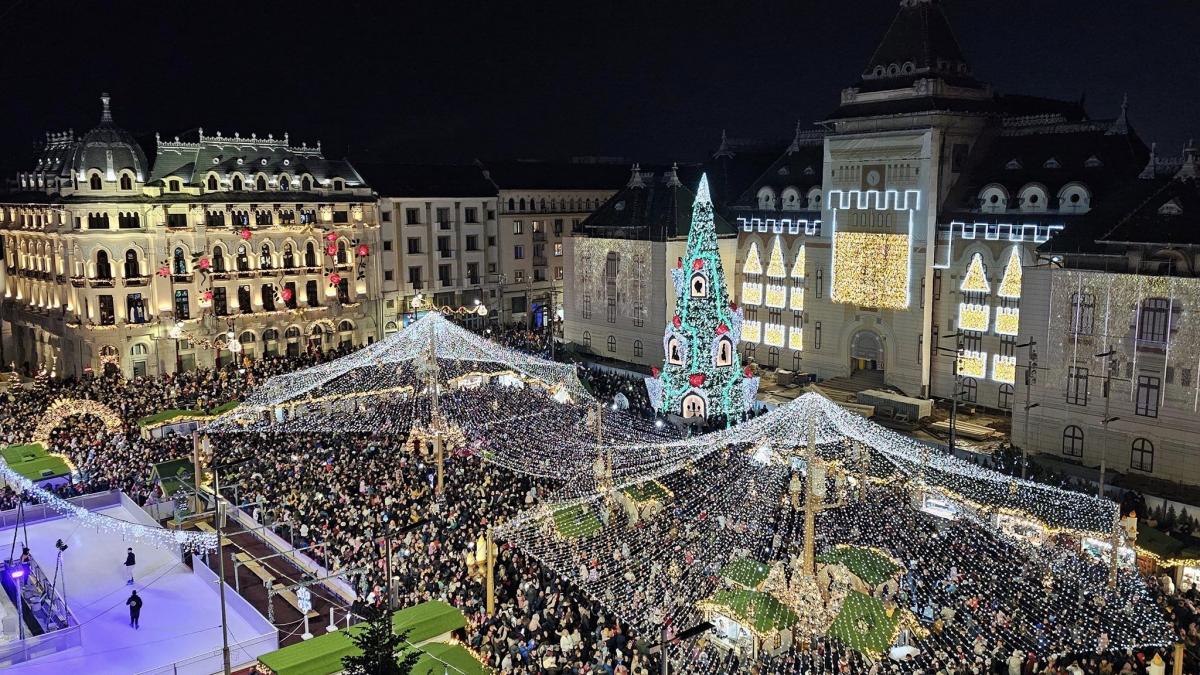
point(78, 282)
point(540, 235)
point(137, 281)
point(540, 261)
point(444, 282)
point(101, 283)
point(445, 253)
point(182, 278)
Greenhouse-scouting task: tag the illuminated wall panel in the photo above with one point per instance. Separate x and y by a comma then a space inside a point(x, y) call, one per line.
point(871, 269)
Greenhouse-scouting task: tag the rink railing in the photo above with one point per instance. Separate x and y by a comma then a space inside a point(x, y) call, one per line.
point(39, 512)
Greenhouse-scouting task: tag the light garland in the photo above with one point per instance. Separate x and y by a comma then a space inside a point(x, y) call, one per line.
point(797, 302)
point(66, 407)
point(1004, 368)
point(1008, 320)
point(871, 269)
point(1010, 285)
point(973, 317)
point(972, 364)
point(798, 265)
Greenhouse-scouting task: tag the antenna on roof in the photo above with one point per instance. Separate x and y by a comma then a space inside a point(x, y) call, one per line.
point(724, 150)
point(105, 112)
point(635, 178)
point(673, 178)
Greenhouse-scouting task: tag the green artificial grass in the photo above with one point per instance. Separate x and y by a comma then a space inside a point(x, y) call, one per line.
point(15, 454)
point(880, 627)
point(769, 614)
point(576, 522)
point(172, 413)
point(746, 572)
point(644, 492)
point(323, 654)
point(868, 565)
point(456, 656)
point(32, 460)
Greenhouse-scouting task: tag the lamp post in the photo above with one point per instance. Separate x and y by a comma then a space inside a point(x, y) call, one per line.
point(1108, 373)
point(958, 352)
point(1030, 380)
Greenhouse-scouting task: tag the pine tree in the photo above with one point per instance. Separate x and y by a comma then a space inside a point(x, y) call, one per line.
point(702, 375)
point(378, 645)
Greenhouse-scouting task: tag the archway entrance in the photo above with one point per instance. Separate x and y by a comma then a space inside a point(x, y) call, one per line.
point(866, 352)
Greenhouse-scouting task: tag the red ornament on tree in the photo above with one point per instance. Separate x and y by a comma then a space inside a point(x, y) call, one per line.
point(748, 371)
point(654, 371)
point(722, 329)
point(679, 263)
point(676, 321)
point(332, 236)
point(246, 233)
point(203, 263)
point(697, 379)
point(733, 306)
point(698, 264)
point(335, 279)
point(331, 249)
point(286, 294)
point(363, 249)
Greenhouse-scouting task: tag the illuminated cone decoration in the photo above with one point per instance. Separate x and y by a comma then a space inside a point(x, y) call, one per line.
point(702, 375)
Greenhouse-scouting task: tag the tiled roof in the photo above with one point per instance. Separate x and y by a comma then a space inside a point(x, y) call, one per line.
point(658, 209)
point(427, 180)
point(919, 43)
point(226, 155)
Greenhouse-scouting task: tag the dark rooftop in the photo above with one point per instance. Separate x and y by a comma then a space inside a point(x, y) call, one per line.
point(426, 180)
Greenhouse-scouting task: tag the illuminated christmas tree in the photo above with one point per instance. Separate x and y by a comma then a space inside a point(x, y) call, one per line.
point(702, 375)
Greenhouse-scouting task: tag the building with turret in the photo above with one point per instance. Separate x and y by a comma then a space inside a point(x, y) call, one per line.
point(223, 247)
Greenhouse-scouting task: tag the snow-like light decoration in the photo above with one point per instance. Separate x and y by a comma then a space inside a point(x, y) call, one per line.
point(753, 264)
point(796, 303)
point(66, 407)
point(975, 280)
point(973, 317)
point(972, 363)
point(798, 265)
point(1004, 368)
point(751, 331)
point(1010, 285)
point(776, 296)
point(752, 293)
point(1008, 320)
point(871, 269)
point(796, 338)
point(709, 381)
point(776, 268)
point(773, 334)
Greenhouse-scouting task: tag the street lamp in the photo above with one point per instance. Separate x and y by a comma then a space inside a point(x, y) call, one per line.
point(1030, 380)
point(1108, 373)
point(957, 351)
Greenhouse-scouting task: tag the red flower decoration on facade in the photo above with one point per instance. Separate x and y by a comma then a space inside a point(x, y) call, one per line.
point(697, 379)
point(286, 294)
point(203, 263)
point(164, 271)
point(722, 329)
point(698, 264)
point(654, 371)
point(332, 236)
point(335, 278)
point(331, 249)
point(208, 296)
point(677, 321)
point(246, 233)
point(363, 250)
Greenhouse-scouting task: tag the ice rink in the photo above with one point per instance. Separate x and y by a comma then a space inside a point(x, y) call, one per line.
point(180, 614)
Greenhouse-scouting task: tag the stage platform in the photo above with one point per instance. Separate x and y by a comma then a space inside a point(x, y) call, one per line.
point(180, 621)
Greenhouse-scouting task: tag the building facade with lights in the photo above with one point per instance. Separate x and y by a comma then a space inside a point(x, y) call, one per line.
point(903, 222)
point(438, 241)
point(223, 247)
point(619, 262)
point(1115, 308)
point(539, 205)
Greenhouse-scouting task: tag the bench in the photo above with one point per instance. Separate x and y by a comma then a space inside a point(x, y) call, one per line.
point(290, 596)
point(204, 527)
point(248, 561)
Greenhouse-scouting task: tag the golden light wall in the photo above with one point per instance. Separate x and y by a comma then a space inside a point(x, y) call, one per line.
point(871, 269)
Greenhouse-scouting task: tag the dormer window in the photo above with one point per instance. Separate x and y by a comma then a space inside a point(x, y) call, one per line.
point(766, 199)
point(306, 184)
point(1032, 198)
point(126, 182)
point(261, 184)
point(212, 183)
point(791, 199)
point(94, 182)
point(339, 185)
point(237, 183)
point(1074, 198)
point(174, 185)
point(284, 183)
point(993, 199)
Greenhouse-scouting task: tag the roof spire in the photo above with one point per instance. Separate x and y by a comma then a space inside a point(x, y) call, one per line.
point(1120, 126)
point(795, 146)
point(673, 177)
point(1148, 172)
point(1190, 155)
point(105, 112)
point(635, 177)
point(724, 150)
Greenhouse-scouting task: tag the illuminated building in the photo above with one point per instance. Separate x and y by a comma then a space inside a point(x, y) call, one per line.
point(225, 247)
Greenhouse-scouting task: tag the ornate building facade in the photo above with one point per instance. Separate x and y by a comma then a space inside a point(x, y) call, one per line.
point(223, 247)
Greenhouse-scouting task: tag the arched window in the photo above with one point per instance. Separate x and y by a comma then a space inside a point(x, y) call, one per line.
point(1072, 443)
point(766, 199)
point(218, 259)
point(285, 183)
point(993, 199)
point(244, 299)
point(522, 203)
point(310, 255)
point(175, 185)
point(126, 182)
point(261, 184)
point(243, 260)
point(289, 259)
point(342, 258)
point(178, 261)
point(637, 347)
point(237, 183)
point(343, 291)
point(94, 182)
point(267, 294)
point(543, 203)
point(246, 338)
point(1083, 313)
point(390, 328)
point(212, 183)
point(512, 204)
point(970, 390)
point(1141, 456)
point(791, 199)
point(132, 268)
point(339, 185)
point(693, 405)
point(306, 184)
point(724, 351)
point(699, 285)
point(103, 269)
point(139, 349)
point(345, 326)
point(1006, 394)
point(292, 332)
point(264, 257)
point(674, 351)
point(270, 335)
point(612, 343)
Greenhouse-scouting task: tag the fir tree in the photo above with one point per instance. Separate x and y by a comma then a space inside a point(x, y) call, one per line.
point(378, 645)
point(702, 375)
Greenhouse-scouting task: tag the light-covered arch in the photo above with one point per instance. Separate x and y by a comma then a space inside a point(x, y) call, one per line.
point(67, 407)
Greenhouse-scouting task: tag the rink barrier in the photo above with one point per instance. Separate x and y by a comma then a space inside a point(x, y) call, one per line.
point(241, 655)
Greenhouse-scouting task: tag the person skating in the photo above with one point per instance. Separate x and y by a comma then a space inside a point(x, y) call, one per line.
point(130, 561)
point(135, 608)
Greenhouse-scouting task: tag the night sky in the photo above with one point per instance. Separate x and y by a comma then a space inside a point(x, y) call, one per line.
point(649, 80)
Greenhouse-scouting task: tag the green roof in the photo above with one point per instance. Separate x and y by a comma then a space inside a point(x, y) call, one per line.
point(644, 492)
point(323, 654)
point(880, 628)
point(576, 521)
point(871, 566)
point(769, 614)
point(172, 413)
point(746, 572)
point(440, 655)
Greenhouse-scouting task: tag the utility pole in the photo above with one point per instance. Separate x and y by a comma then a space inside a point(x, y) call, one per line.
point(1030, 380)
point(491, 573)
point(1108, 373)
point(220, 564)
point(958, 352)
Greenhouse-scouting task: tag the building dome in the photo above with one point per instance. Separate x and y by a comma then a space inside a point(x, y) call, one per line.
point(109, 149)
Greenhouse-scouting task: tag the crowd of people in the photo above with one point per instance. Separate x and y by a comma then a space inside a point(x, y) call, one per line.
point(350, 497)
